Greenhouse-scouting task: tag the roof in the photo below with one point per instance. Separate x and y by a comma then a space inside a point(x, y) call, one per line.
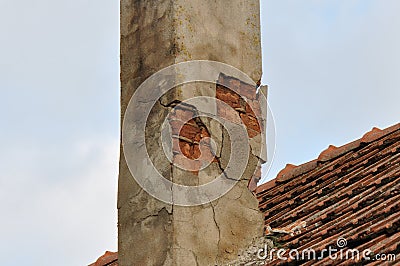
point(350, 192)
point(108, 259)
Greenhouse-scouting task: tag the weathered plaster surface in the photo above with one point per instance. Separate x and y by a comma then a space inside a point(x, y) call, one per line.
point(154, 35)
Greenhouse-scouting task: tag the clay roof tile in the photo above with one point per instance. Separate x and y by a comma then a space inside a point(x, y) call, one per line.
point(108, 259)
point(285, 173)
point(351, 191)
point(372, 135)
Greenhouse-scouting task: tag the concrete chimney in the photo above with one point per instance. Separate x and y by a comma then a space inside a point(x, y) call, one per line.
point(189, 120)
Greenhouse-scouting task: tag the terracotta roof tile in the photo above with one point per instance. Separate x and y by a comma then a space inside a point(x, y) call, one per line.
point(108, 259)
point(286, 173)
point(352, 191)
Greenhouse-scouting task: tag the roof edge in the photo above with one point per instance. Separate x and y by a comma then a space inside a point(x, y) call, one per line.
point(291, 171)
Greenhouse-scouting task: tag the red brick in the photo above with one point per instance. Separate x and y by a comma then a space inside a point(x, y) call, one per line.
point(250, 122)
point(252, 133)
point(203, 152)
point(248, 91)
point(228, 96)
point(186, 163)
point(228, 113)
point(254, 109)
point(234, 84)
point(185, 148)
point(189, 131)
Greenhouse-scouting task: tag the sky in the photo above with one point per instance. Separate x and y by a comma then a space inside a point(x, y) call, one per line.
point(332, 67)
point(333, 71)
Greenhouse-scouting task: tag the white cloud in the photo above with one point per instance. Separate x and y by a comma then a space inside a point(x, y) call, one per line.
point(69, 220)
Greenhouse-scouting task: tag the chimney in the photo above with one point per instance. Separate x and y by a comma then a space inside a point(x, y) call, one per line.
point(192, 131)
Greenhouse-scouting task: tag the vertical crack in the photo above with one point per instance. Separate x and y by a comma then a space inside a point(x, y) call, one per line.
point(219, 230)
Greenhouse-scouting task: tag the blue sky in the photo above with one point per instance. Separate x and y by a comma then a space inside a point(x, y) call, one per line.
point(333, 72)
point(332, 67)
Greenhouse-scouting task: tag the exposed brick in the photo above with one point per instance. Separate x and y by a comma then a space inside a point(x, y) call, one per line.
point(248, 91)
point(185, 148)
point(234, 84)
point(192, 143)
point(248, 113)
point(237, 86)
point(254, 109)
point(186, 163)
point(252, 133)
point(228, 113)
point(196, 151)
point(228, 96)
point(251, 122)
point(190, 131)
point(203, 152)
point(176, 125)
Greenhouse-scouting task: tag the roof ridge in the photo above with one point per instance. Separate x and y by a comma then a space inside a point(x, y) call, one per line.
point(108, 258)
point(290, 171)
